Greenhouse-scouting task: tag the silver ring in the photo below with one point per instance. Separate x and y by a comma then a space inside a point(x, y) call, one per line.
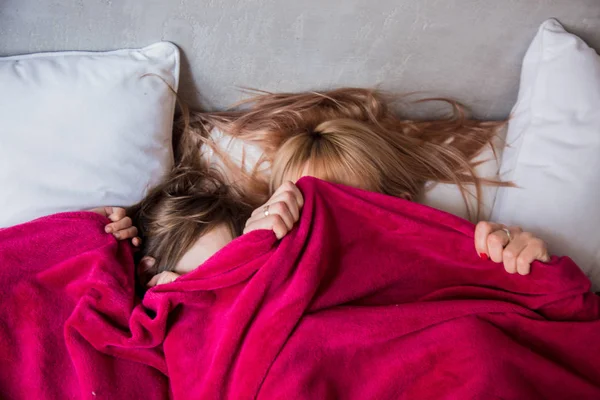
point(507, 234)
point(266, 210)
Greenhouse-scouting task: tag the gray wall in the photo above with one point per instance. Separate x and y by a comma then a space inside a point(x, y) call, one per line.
point(468, 49)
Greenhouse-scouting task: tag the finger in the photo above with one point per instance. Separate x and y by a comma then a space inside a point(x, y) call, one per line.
point(168, 277)
point(156, 280)
point(482, 230)
point(136, 241)
point(499, 239)
point(284, 197)
point(288, 212)
point(147, 263)
point(513, 250)
point(293, 189)
point(119, 225)
point(290, 186)
point(128, 233)
point(153, 281)
point(290, 200)
point(535, 250)
point(165, 277)
point(544, 254)
point(496, 241)
point(99, 210)
point(272, 222)
point(115, 213)
point(288, 193)
point(281, 209)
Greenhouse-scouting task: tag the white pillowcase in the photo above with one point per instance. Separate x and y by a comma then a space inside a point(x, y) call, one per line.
point(241, 153)
point(84, 129)
point(554, 148)
point(448, 197)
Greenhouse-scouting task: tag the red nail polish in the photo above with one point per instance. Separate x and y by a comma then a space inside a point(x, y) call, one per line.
point(483, 256)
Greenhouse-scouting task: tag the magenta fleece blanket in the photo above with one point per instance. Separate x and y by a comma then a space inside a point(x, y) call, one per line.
point(369, 297)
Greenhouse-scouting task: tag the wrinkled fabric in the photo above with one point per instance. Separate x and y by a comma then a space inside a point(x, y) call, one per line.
point(369, 297)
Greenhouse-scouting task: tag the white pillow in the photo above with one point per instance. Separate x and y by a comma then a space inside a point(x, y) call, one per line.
point(554, 148)
point(241, 153)
point(82, 129)
point(448, 197)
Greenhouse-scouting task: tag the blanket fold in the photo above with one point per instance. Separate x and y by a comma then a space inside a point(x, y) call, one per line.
point(369, 297)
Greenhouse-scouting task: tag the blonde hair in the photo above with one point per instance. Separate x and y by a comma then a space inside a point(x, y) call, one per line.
point(351, 136)
point(190, 202)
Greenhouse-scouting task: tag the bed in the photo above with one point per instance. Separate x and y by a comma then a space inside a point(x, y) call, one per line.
point(320, 314)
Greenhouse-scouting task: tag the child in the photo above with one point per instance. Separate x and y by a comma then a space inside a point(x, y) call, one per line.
point(193, 214)
point(185, 220)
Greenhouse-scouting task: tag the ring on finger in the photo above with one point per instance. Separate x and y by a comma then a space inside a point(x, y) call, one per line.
point(266, 210)
point(507, 234)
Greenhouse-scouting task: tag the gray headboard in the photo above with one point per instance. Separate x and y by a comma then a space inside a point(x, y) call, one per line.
point(467, 49)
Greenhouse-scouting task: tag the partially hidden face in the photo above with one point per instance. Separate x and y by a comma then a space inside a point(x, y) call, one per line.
point(204, 248)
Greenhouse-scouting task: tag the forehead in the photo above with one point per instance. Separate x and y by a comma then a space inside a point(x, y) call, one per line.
point(332, 173)
point(204, 247)
point(293, 174)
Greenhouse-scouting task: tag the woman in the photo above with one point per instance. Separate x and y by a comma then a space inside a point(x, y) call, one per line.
point(350, 136)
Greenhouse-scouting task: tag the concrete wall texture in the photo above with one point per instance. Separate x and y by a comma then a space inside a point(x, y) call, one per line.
point(467, 49)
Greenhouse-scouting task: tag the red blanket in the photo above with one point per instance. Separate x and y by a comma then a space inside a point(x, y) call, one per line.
point(370, 297)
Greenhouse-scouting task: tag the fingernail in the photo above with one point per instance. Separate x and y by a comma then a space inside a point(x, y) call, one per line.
point(108, 229)
point(483, 256)
point(116, 235)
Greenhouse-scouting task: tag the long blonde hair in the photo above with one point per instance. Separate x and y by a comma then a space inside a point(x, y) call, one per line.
point(350, 136)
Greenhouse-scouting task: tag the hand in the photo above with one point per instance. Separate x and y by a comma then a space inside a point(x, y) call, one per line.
point(280, 213)
point(163, 278)
point(121, 227)
point(145, 269)
point(517, 252)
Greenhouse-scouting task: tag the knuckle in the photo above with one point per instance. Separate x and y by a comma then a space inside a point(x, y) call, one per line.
point(522, 262)
point(280, 225)
point(537, 242)
point(516, 229)
point(496, 240)
point(526, 235)
point(288, 185)
point(278, 207)
point(288, 196)
point(278, 221)
point(509, 254)
point(484, 226)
